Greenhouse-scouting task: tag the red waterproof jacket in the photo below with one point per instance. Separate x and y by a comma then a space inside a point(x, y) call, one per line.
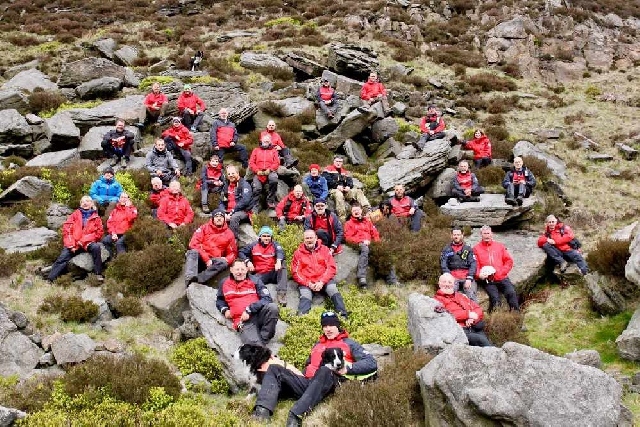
point(121, 219)
point(263, 257)
point(481, 147)
point(371, 90)
point(459, 305)
point(153, 98)
point(276, 139)
point(326, 93)
point(74, 235)
point(290, 207)
point(264, 158)
point(185, 138)
point(358, 230)
point(401, 207)
point(175, 208)
point(494, 254)
point(465, 180)
point(432, 123)
point(359, 362)
point(214, 242)
point(238, 297)
point(191, 101)
point(156, 196)
point(561, 234)
point(223, 133)
point(316, 265)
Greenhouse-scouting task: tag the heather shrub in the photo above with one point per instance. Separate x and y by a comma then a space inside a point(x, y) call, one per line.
point(49, 252)
point(196, 356)
point(272, 109)
point(146, 231)
point(16, 160)
point(393, 399)
point(538, 167)
point(487, 82)
point(503, 325)
point(276, 73)
point(490, 175)
point(71, 309)
point(313, 152)
point(609, 257)
point(10, 262)
point(41, 100)
point(291, 124)
point(126, 306)
point(147, 82)
point(452, 55)
point(28, 395)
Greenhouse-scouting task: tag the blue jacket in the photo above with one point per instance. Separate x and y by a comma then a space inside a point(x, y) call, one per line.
point(105, 191)
point(318, 186)
point(244, 196)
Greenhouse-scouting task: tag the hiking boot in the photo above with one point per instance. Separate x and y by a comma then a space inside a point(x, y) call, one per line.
point(113, 161)
point(124, 163)
point(205, 209)
point(418, 145)
point(519, 200)
point(474, 198)
point(362, 283)
point(510, 201)
point(292, 421)
point(282, 298)
point(260, 413)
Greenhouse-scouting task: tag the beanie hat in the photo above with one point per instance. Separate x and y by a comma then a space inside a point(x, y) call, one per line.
point(314, 166)
point(265, 230)
point(187, 87)
point(217, 212)
point(176, 120)
point(109, 169)
point(319, 200)
point(329, 318)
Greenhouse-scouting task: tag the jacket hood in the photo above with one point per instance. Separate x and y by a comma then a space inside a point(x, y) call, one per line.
point(342, 335)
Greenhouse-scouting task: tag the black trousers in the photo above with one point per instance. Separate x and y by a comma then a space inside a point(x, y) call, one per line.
point(494, 287)
point(476, 336)
point(60, 265)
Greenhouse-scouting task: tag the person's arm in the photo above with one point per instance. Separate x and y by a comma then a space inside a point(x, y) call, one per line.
point(507, 263)
point(253, 161)
point(441, 125)
point(565, 237)
point(364, 363)
point(115, 197)
point(453, 308)
point(542, 239)
point(471, 259)
point(244, 202)
point(196, 243)
point(348, 180)
point(350, 233)
point(337, 228)
point(188, 214)
point(181, 104)
point(280, 255)
point(325, 188)
point(474, 182)
point(231, 252)
point(263, 293)
point(296, 270)
point(318, 97)
point(201, 104)
point(173, 165)
point(280, 207)
point(93, 192)
point(444, 259)
point(508, 178)
point(531, 180)
point(234, 139)
point(213, 134)
point(456, 184)
point(423, 125)
point(148, 163)
point(330, 271)
point(221, 303)
point(244, 254)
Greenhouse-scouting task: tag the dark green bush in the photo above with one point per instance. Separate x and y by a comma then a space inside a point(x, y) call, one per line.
point(127, 306)
point(291, 124)
point(276, 73)
point(451, 55)
point(71, 309)
point(29, 395)
point(313, 152)
point(494, 120)
point(272, 109)
point(40, 100)
point(609, 257)
point(503, 325)
point(490, 175)
point(10, 263)
point(49, 252)
point(487, 82)
point(146, 231)
point(196, 356)
point(538, 166)
point(16, 160)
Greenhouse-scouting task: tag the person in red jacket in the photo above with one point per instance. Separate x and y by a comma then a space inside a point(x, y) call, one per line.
point(191, 108)
point(466, 187)
point(224, 137)
point(326, 97)
point(120, 221)
point(314, 269)
point(359, 230)
point(481, 147)
point(373, 91)
point(211, 180)
point(264, 163)
point(403, 206)
point(174, 209)
point(213, 247)
point(156, 105)
point(81, 232)
point(432, 127)
point(561, 245)
point(468, 314)
point(493, 266)
point(278, 144)
point(293, 208)
point(247, 303)
point(158, 191)
point(178, 139)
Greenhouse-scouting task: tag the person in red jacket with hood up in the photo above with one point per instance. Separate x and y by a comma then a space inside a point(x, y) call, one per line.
point(373, 91)
point(174, 209)
point(293, 208)
point(191, 108)
point(178, 139)
point(561, 245)
point(359, 230)
point(481, 147)
point(264, 163)
point(212, 246)
point(120, 221)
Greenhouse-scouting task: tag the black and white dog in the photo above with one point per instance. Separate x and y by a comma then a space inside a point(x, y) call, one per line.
point(196, 60)
point(333, 358)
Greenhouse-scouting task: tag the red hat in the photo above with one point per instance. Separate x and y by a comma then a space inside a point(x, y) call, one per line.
point(314, 166)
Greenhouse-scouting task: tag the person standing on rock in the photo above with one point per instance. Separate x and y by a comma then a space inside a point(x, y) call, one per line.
point(561, 245)
point(468, 313)
point(457, 258)
point(247, 303)
point(117, 144)
point(481, 147)
point(293, 208)
point(237, 199)
point(432, 127)
point(191, 108)
point(519, 183)
point(326, 97)
point(213, 247)
point(120, 221)
point(373, 91)
point(211, 180)
point(314, 270)
point(276, 140)
point(161, 164)
point(81, 232)
point(404, 207)
point(178, 140)
point(493, 266)
point(314, 184)
point(341, 188)
point(326, 225)
point(156, 104)
point(174, 209)
point(105, 190)
point(224, 137)
point(264, 163)
point(359, 230)
point(466, 187)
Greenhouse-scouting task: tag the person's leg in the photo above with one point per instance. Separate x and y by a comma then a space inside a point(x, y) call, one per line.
point(419, 144)
point(107, 242)
point(127, 149)
point(242, 153)
point(236, 219)
point(220, 153)
point(305, 300)
point(289, 160)
point(506, 287)
point(121, 247)
point(577, 258)
point(415, 223)
point(272, 198)
point(494, 295)
point(95, 249)
point(363, 261)
point(477, 339)
point(267, 319)
point(60, 264)
point(321, 385)
point(458, 194)
point(280, 382)
point(196, 122)
point(204, 194)
point(187, 119)
point(217, 266)
point(438, 135)
point(553, 253)
point(392, 278)
point(188, 163)
point(358, 195)
point(509, 196)
point(477, 191)
point(282, 278)
point(191, 266)
point(341, 209)
point(257, 186)
point(250, 332)
point(331, 289)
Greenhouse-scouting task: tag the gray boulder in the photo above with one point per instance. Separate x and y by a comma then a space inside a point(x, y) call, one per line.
point(64, 133)
point(351, 60)
point(490, 210)
point(625, 233)
point(26, 240)
point(255, 60)
point(389, 148)
point(9, 415)
point(90, 147)
point(70, 348)
point(235, 34)
point(126, 55)
point(83, 262)
point(14, 100)
point(98, 88)
point(605, 299)
point(432, 331)
point(555, 164)
point(56, 215)
point(294, 106)
point(306, 65)
point(585, 357)
point(75, 73)
point(18, 354)
point(353, 124)
point(383, 129)
point(14, 128)
point(19, 220)
point(246, 235)
point(28, 187)
point(106, 47)
point(12, 71)
point(516, 385)
point(628, 342)
point(346, 263)
point(129, 109)
point(161, 66)
point(355, 152)
point(515, 28)
point(56, 159)
point(169, 303)
point(632, 269)
point(29, 80)
point(629, 153)
point(343, 85)
point(443, 184)
point(201, 145)
point(197, 381)
point(94, 295)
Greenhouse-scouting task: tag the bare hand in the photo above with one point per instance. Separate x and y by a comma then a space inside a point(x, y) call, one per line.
point(114, 237)
point(278, 265)
point(227, 314)
point(172, 225)
point(469, 322)
point(177, 172)
point(250, 266)
point(473, 315)
point(342, 371)
point(412, 211)
point(340, 188)
point(209, 263)
point(551, 241)
point(467, 284)
point(345, 189)
point(245, 316)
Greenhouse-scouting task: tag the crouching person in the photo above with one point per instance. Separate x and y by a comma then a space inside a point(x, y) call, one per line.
point(467, 313)
point(334, 358)
point(120, 221)
point(247, 302)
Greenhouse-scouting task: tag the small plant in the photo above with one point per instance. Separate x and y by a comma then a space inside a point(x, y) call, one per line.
point(71, 309)
point(129, 186)
point(147, 82)
point(127, 306)
point(68, 106)
point(538, 167)
point(490, 175)
point(272, 109)
point(610, 257)
point(10, 262)
point(284, 20)
point(592, 91)
point(41, 100)
point(487, 82)
point(503, 325)
point(196, 356)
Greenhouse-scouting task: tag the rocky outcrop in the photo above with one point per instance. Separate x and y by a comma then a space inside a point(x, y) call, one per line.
point(342, 84)
point(90, 147)
point(9, 415)
point(26, 240)
point(302, 64)
point(383, 129)
point(69, 349)
point(255, 60)
point(97, 88)
point(130, 109)
point(490, 210)
point(632, 269)
point(14, 128)
point(355, 152)
point(94, 295)
point(585, 357)
point(30, 80)
point(169, 303)
point(353, 124)
point(346, 264)
point(605, 299)
point(18, 354)
point(12, 99)
point(443, 184)
point(516, 385)
point(125, 55)
point(106, 47)
point(28, 187)
point(294, 106)
point(54, 159)
point(432, 331)
point(352, 61)
point(75, 73)
point(64, 132)
point(56, 215)
point(628, 342)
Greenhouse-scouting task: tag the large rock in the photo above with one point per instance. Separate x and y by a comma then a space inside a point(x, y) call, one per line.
point(130, 109)
point(83, 262)
point(169, 303)
point(430, 330)
point(126, 55)
point(605, 299)
point(64, 133)
point(54, 159)
point(347, 265)
point(632, 269)
point(90, 147)
point(255, 60)
point(628, 342)
point(9, 415)
point(106, 47)
point(56, 215)
point(556, 165)
point(443, 184)
point(99, 88)
point(26, 240)
point(353, 124)
point(70, 348)
point(352, 61)
point(18, 354)
point(490, 210)
point(14, 128)
point(12, 71)
point(246, 235)
point(12, 99)
point(343, 84)
point(381, 130)
point(28, 187)
point(516, 385)
point(516, 28)
point(94, 295)
point(75, 73)
point(294, 106)
point(304, 65)
point(355, 152)
point(29, 80)
point(389, 148)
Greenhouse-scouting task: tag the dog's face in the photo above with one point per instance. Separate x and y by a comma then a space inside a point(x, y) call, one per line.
point(333, 358)
point(254, 356)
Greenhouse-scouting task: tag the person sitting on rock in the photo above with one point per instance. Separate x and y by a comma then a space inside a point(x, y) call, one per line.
point(106, 190)
point(326, 97)
point(237, 199)
point(326, 225)
point(158, 191)
point(211, 180)
point(561, 245)
point(178, 140)
point(465, 186)
point(493, 266)
point(314, 184)
point(481, 147)
point(468, 313)
point(81, 232)
point(432, 127)
point(341, 188)
point(314, 269)
point(174, 209)
point(264, 163)
point(359, 230)
point(212, 248)
point(293, 208)
point(247, 303)
point(319, 380)
point(117, 144)
point(265, 258)
point(190, 108)
point(276, 140)
point(373, 91)
point(120, 220)
point(403, 207)
point(224, 137)
point(457, 258)
point(161, 164)
point(156, 104)
point(519, 182)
